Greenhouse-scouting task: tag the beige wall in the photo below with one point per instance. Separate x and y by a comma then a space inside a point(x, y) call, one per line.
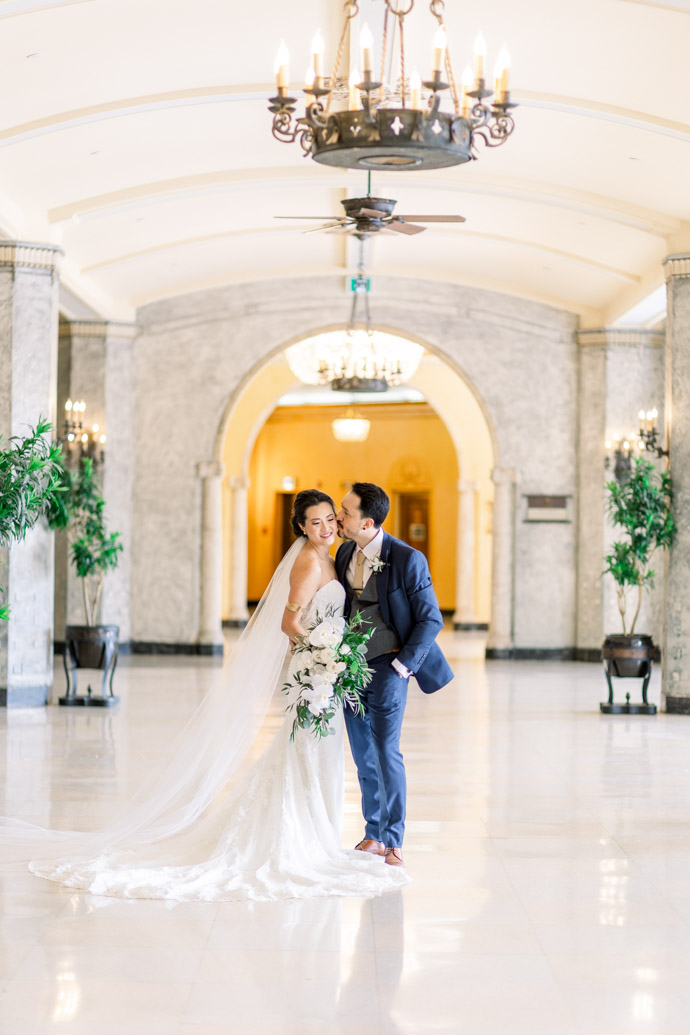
point(408, 449)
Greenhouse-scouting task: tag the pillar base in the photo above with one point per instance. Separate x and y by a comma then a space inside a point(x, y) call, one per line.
point(677, 705)
point(24, 697)
point(235, 623)
point(470, 626)
point(212, 650)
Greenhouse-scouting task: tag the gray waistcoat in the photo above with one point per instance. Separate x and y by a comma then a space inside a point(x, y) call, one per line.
point(384, 639)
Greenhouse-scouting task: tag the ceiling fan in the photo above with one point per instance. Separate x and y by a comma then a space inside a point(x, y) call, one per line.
point(366, 216)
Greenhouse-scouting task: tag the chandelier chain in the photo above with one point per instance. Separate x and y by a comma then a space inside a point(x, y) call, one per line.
point(401, 19)
point(351, 11)
point(437, 7)
point(384, 46)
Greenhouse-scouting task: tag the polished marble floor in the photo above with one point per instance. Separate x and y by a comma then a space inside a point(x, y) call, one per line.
point(549, 845)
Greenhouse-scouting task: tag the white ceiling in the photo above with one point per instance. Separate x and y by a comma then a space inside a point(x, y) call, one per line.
point(135, 133)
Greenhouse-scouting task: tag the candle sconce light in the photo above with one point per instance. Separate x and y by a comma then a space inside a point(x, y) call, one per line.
point(77, 442)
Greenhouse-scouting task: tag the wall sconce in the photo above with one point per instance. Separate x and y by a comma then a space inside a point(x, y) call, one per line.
point(619, 454)
point(77, 441)
point(649, 433)
point(289, 484)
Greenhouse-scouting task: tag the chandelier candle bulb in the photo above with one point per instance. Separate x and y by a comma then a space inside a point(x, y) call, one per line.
point(366, 42)
point(467, 85)
point(415, 90)
point(479, 57)
point(317, 48)
point(282, 67)
point(309, 78)
point(439, 51)
point(641, 416)
point(353, 102)
point(502, 73)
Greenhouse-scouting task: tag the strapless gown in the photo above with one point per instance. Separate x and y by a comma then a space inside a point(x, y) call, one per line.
point(275, 834)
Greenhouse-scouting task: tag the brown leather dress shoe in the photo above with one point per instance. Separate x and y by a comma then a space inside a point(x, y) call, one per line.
point(394, 857)
point(373, 847)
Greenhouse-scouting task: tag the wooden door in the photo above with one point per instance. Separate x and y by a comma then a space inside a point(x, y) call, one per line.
point(413, 520)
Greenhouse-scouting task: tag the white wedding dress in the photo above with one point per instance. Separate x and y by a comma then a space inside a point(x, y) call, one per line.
point(275, 834)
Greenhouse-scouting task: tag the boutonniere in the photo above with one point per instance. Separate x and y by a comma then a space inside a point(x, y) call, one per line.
point(378, 564)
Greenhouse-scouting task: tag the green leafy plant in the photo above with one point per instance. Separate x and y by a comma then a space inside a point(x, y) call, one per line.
point(31, 484)
point(642, 508)
point(94, 550)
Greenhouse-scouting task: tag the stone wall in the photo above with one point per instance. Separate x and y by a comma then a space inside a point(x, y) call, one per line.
point(194, 352)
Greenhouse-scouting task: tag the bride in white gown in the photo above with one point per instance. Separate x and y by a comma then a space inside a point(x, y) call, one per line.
point(273, 833)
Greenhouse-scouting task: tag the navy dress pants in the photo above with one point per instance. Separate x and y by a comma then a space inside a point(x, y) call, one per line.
point(375, 743)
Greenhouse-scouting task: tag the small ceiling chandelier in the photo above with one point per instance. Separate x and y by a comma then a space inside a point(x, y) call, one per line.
point(363, 360)
point(351, 428)
point(376, 127)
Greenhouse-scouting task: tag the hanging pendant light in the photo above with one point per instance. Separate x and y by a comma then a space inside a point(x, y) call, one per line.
point(351, 428)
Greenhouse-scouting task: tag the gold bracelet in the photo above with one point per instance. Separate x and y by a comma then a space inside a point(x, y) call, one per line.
point(294, 607)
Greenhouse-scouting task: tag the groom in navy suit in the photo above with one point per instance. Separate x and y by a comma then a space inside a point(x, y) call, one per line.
point(389, 584)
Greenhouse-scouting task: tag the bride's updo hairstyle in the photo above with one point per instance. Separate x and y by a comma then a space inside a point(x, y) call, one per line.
point(303, 501)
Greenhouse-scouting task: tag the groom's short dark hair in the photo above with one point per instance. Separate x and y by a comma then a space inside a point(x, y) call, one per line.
point(373, 501)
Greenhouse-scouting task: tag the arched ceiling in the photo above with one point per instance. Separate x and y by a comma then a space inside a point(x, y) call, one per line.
point(135, 133)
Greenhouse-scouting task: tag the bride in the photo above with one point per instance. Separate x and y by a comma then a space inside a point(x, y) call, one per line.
point(274, 831)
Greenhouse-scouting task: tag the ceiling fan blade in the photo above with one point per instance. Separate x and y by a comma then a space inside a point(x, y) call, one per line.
point(309, 217)
point(404, 228)
point(326, 226)
point(433, 219)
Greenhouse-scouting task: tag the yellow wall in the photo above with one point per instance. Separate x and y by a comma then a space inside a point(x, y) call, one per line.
point(408, 449)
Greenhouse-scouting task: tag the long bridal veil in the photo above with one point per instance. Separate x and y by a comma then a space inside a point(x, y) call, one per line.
point(174, 806)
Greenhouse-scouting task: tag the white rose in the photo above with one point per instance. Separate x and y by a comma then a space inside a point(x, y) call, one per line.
point(340, 666)
point(345, 649)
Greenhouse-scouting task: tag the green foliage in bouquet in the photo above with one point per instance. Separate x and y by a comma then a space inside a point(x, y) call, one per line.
point(31, 485)
point(330, 671)
point(642, 508)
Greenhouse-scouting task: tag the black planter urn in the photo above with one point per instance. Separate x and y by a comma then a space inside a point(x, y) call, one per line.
point(628, 656)
point(90, 647)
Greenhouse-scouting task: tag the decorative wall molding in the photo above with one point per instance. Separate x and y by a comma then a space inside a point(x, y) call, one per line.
point(25, 255)
point(630, 337)
point(676, 266)
point(100, 329)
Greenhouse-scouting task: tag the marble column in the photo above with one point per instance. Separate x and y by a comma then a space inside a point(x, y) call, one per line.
point(500, 640)
point(95, 364)
point(239, 523)
point(620, 372)
point(465, 616)
point(210, 639)
point(28, 380)
point(676, 641)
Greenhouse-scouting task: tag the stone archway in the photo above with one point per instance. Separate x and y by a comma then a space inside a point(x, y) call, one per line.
point(457, 403)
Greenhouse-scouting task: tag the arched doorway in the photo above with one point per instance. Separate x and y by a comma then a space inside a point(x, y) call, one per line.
point(468, 551)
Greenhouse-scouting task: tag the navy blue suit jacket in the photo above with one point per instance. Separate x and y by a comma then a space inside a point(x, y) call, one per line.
point(409, 607)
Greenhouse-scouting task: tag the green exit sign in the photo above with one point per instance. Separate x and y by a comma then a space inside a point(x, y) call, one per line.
point(360, 284)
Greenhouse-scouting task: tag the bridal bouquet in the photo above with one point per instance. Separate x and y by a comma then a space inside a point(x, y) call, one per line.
point(330, 669)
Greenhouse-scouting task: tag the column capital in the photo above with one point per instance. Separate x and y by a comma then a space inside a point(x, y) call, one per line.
point(26, 255)
point(97, 329)
point(238, 482)
point(210, 469)
point(632, 337)
point(676, 266)
point(503, 475)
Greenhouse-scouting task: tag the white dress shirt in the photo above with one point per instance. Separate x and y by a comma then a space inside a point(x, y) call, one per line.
point(370, 551)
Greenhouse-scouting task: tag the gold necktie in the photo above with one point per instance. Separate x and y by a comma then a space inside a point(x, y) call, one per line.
point(358, 580)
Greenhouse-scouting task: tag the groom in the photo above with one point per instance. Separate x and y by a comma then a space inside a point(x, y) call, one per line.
point(389, 584)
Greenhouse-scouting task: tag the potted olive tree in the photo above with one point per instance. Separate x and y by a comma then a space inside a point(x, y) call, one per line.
point(93, 553)
point(30, 485)
point(641, 508)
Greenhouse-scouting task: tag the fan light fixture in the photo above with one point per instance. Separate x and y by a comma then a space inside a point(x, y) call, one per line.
point(351, 428)
point(377, 127)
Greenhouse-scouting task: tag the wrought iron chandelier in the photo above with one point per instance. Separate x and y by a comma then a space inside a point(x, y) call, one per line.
point(376, 127)
point(76, 441)
point(363, 360)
